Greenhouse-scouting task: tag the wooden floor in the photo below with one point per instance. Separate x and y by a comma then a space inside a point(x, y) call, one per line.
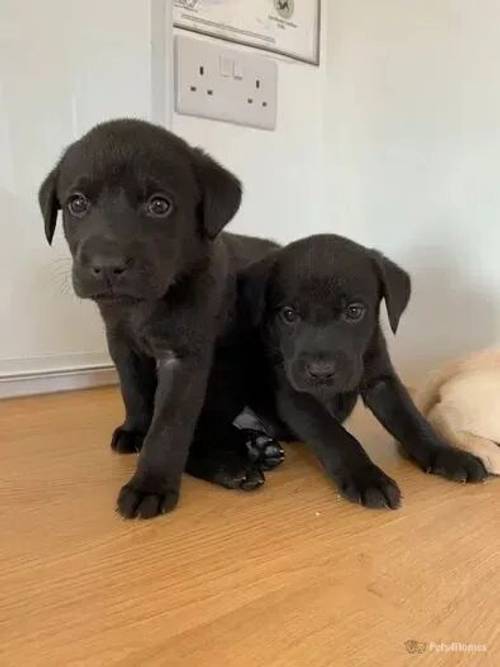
point(290, 575)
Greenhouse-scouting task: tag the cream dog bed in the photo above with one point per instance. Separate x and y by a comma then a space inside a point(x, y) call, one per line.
point(462, 402)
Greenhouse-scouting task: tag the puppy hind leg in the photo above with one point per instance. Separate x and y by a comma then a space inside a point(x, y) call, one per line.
point(219, 455)
point(262, 449)
point(231, 446)
point(261, 442)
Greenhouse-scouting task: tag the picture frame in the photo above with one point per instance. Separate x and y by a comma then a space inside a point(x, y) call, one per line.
point(289, 28)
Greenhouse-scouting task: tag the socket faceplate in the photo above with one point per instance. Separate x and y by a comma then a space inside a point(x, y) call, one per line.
point(225, 84)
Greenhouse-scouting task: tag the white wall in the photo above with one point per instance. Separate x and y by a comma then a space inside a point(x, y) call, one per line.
point(394, 141)
point(282, 170)
point(61, 72)
point(64, 66)
point(412, 163)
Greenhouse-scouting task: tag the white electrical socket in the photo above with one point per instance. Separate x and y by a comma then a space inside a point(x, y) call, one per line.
point(217, 82)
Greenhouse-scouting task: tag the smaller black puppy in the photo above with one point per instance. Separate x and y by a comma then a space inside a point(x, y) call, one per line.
point(316, 303)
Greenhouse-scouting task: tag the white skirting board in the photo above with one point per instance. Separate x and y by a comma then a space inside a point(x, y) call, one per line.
point(49, 381)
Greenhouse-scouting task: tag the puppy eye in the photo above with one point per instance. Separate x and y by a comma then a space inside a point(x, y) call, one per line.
point(158, 206)
point(289, 315)
point(354, 312)
point(78, 205)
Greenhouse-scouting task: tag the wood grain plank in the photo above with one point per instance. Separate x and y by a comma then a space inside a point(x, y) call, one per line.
point(288, 575)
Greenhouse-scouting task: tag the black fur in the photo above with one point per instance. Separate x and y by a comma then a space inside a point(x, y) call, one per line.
point(142, 212)
point(315, 304)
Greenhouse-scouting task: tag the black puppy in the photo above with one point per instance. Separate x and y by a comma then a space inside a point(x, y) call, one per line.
point(316, 304)
point(142, 212)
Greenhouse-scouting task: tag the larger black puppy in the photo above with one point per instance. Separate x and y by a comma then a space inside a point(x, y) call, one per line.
point(316, 304)
point(142, 212)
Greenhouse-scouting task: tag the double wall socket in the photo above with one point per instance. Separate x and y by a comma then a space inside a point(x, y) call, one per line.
point(225, 84)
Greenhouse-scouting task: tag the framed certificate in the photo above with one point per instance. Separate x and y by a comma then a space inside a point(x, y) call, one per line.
point(287, 27)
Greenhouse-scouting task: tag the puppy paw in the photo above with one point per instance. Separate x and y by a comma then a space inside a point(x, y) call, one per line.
point(247, 477)
point(136, 500)
point(126, 442)
point(370, 487)
point(456, 465)
point(264, 451)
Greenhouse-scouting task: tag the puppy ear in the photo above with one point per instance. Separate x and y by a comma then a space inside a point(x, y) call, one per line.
point(253, 284)
point(221, 193)
point(49, 204)
point(396, 288)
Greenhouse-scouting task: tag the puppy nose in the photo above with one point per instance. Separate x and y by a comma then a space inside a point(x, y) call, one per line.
point(320, 370)
point(110, 267)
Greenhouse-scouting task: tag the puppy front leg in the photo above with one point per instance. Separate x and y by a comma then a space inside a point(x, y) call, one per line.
point(385, 395)
point(154, 488)
point(138, 384)
point(358, 478)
